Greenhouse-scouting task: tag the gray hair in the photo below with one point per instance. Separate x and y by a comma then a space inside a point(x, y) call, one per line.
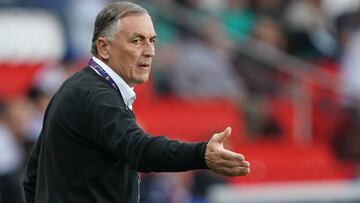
point(107, 22)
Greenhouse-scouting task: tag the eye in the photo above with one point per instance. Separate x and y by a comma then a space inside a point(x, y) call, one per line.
point(153, 40)
point(136, 41)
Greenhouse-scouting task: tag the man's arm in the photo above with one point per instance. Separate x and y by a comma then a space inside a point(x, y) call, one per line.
point(211, 155)
point(116, 131)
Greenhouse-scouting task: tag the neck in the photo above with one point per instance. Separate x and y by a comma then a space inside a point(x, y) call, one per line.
point(106, 61)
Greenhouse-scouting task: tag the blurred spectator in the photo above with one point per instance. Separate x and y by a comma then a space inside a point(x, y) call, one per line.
point(166, 28)
point(38, 101)
point(188, 187)
point(201, 183)
point(349, 143)
point(350, 67)
point(204, 70)
point(44, 85)
point(270, 32)
point(51, 76)
point(237, 19)
point(345, 25)
point(17, 113)
point(311, 34)
point(335, 8)
point(10, 160)
point(260, 78)
point(166, 188)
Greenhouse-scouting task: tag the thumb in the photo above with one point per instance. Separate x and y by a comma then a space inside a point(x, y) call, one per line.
point(221, 137)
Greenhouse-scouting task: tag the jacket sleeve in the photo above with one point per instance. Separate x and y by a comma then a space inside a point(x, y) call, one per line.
point(115, 130)
point(30, 177)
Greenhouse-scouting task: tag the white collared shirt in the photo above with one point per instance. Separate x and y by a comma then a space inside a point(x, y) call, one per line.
point(127, 92)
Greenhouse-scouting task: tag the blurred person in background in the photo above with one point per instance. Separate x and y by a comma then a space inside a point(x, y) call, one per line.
point(310, 31)
point(238, 19)
point(348, 144)
point(205, 71)
point(260, 77)
point(167, 188)
point(50, 77)
point(10, 159)
point(347, 134)
point(186, 187)
point(38, 101)
point(45, 83)
point(90, 147)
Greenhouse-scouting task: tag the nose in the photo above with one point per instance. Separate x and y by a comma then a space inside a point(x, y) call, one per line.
point(149, 50)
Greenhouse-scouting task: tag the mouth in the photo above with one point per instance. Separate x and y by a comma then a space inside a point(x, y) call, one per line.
point(144, 66)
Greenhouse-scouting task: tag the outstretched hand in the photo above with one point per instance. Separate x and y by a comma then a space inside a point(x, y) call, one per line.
point(223, 161)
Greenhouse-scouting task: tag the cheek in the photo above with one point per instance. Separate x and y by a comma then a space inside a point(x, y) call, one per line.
point(128, 63)
point(126, 54)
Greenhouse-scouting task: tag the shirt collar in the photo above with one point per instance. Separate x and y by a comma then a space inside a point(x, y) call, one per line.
point(127, 92)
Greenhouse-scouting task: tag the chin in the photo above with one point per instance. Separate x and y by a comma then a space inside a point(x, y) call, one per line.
point(141, 80)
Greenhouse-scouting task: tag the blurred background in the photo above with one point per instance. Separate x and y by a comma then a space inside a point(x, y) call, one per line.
point(284, 74)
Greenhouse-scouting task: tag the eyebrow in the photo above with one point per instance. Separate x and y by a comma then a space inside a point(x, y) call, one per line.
point(141, 35)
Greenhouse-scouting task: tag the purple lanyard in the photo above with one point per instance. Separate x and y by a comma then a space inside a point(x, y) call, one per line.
point(97, 68)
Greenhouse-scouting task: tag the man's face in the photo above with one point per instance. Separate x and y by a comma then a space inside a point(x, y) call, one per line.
point(133, 48)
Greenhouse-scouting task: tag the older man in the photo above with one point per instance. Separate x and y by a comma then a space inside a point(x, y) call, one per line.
point(91, 148)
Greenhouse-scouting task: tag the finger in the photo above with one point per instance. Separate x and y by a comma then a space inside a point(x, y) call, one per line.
point(242, 171)
point(232, 164)
point(236, 171)
point(221, 137)
point(233, 156)
point(246, 164)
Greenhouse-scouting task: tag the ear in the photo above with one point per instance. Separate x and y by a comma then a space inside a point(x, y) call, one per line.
point(103, 48)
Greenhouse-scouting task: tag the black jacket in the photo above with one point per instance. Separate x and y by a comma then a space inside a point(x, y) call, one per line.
point(91, 148)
